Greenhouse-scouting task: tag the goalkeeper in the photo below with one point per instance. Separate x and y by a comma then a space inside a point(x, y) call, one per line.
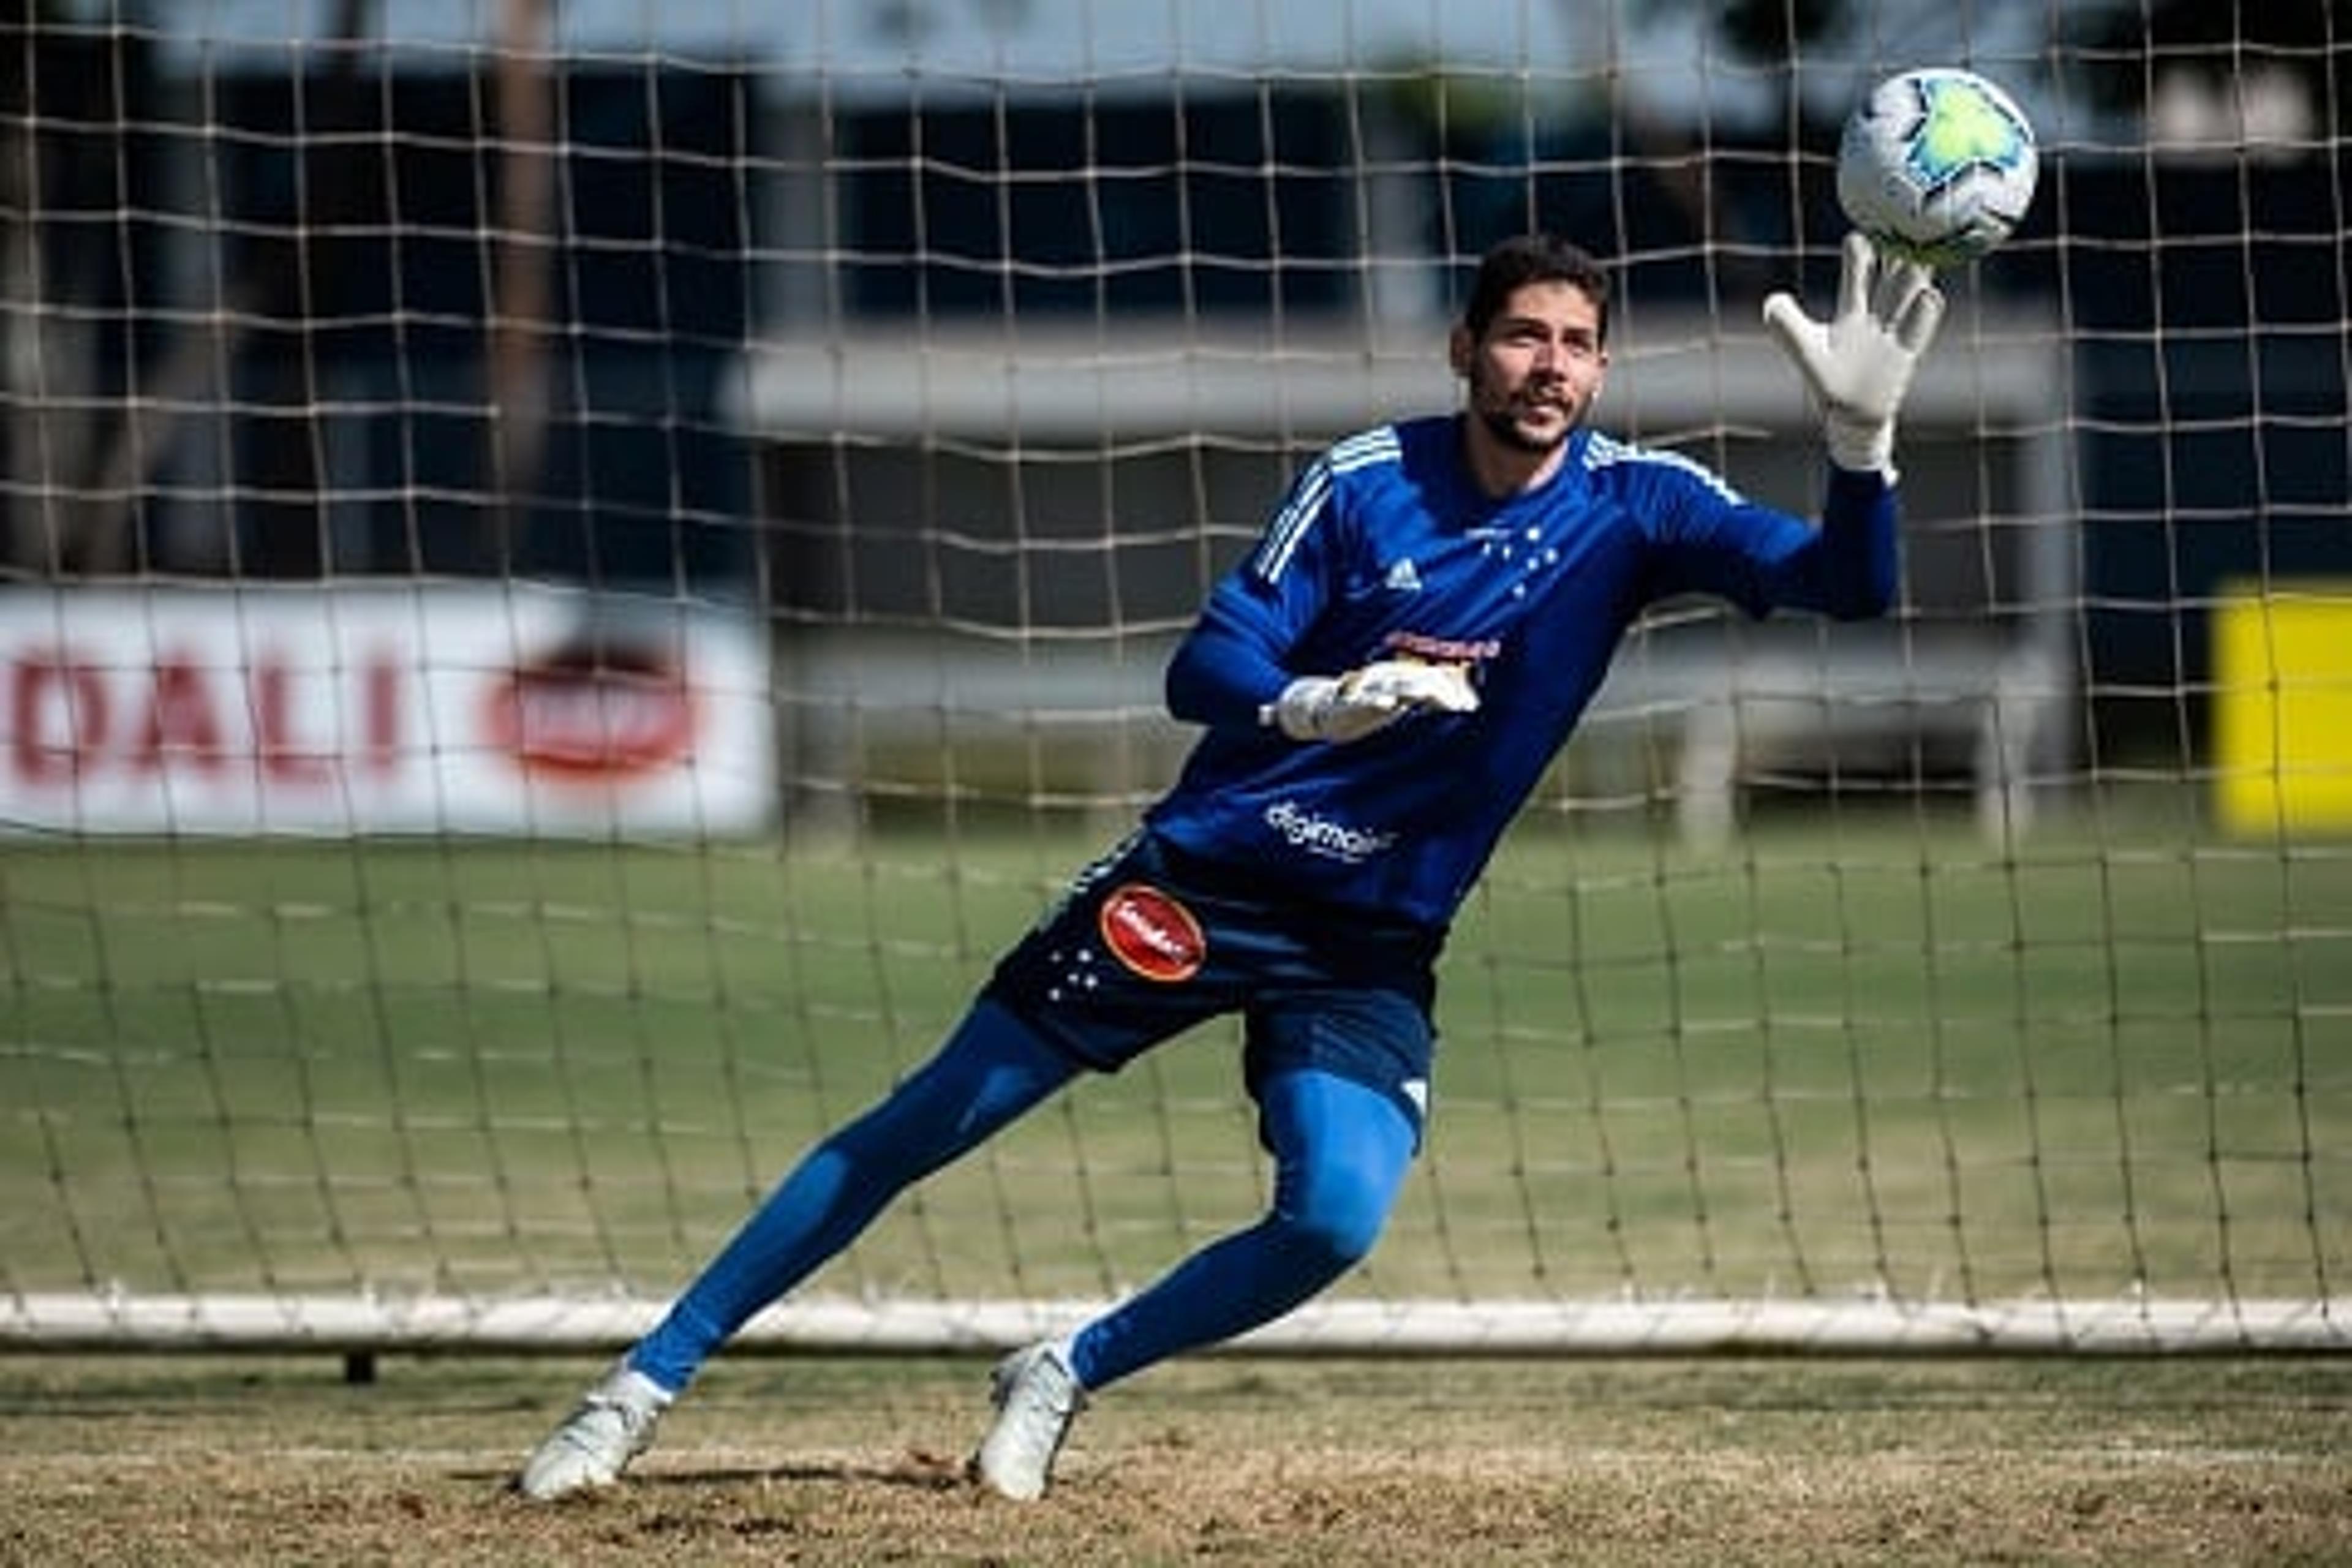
point(1379, 685)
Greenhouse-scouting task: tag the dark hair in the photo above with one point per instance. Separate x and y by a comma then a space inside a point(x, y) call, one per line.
point(1533, 259)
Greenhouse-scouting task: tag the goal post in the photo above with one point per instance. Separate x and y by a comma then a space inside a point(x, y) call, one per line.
point(569, 576)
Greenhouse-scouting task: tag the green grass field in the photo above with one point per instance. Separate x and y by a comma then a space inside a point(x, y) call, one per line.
point(1881, 1056)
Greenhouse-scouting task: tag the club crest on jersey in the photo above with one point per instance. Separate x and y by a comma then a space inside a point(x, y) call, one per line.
point(1152, 934)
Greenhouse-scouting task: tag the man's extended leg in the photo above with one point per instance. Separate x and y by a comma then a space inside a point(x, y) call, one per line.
point(990, 1070)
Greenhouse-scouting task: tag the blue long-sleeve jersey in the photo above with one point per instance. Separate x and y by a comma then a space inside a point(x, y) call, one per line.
point(1385, 548)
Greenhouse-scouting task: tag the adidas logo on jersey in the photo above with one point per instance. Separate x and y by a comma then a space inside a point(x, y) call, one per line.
point(1403, 577)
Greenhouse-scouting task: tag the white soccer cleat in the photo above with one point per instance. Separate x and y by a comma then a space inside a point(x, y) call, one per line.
point(1036, 1398)
point(613, 1425)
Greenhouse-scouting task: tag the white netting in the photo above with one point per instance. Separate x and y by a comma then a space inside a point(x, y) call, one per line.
point(573, 577)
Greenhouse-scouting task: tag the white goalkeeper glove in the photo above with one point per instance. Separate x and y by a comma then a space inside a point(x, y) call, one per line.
point(1859, 361)
point(1363, 701)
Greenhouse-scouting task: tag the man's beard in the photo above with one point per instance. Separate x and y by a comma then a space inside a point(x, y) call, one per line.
point(1501, 420)
point(1503, 425)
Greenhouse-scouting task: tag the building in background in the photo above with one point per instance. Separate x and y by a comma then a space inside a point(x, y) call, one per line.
point(266, 292)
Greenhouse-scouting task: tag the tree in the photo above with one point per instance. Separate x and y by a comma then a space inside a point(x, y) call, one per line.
point(61, 156)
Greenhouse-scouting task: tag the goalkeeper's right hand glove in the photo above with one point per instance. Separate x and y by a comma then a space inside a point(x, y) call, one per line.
point(1364, 702)
point(1859, 361)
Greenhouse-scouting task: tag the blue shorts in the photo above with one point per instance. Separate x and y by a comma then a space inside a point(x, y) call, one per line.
point(1150, 940)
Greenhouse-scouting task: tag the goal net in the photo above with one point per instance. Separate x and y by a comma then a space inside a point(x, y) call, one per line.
point(572, 575)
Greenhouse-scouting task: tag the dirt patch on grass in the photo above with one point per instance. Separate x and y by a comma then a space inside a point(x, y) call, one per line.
point(151, 1461)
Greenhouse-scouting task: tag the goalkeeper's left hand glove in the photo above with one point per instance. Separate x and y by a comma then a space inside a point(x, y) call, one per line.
point(1364, 702)
point(1859, 361)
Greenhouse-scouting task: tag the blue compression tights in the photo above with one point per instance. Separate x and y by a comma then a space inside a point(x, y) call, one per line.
point(1341, 1154)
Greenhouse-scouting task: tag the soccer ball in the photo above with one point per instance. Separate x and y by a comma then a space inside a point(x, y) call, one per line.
point(1937, 165)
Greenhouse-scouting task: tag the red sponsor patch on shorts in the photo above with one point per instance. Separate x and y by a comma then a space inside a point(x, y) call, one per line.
point(1152, 934)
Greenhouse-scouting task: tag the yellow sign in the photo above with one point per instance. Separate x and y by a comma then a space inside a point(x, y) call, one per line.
point(2283, 707)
